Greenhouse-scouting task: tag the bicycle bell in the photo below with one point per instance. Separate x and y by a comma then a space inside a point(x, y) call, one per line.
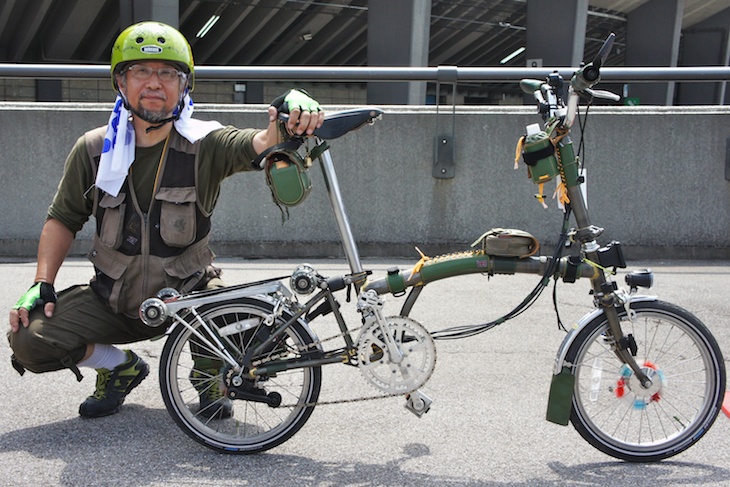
point(304, 279)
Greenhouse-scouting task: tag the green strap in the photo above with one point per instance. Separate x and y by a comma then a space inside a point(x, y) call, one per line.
point(319, 150)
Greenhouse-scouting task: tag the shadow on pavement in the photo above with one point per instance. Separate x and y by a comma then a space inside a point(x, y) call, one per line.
point(141, 447)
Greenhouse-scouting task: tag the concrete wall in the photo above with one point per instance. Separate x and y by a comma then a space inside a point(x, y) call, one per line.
point(656, 182)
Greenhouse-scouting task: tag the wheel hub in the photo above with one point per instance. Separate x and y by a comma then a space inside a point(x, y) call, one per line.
point(629, 386)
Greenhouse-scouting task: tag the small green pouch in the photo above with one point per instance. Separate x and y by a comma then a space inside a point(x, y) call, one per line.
point(539, 155)
point(288, 177)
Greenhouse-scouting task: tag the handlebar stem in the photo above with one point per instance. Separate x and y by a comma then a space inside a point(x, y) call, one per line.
point(572, 108)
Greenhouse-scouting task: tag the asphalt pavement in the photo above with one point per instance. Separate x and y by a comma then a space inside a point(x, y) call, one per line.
point(486, 427)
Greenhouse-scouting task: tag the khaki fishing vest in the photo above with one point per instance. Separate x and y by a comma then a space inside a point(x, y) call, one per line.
point(135, 254)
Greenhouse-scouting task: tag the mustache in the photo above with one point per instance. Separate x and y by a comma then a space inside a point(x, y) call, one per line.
point(159, 95)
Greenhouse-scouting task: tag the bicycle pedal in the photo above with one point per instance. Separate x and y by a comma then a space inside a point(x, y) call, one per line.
point(418, 403)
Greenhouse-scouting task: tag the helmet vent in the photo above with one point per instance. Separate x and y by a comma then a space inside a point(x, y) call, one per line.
point(139, 40)
point(161, 40)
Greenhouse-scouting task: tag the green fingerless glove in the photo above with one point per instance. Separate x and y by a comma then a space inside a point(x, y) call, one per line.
point(296, 100)
point(39, 293)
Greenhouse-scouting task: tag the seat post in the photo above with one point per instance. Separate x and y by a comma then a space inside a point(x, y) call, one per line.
point(338, 207)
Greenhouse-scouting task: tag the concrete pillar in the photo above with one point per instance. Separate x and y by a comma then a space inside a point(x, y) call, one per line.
point(653, 33)
point(133, 11)
point(705, 44)
point(556, 32)
point(398, 34)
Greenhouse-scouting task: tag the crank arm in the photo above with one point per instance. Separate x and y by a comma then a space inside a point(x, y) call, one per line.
point(273, 399)
point(396, 356)
point(371, 305)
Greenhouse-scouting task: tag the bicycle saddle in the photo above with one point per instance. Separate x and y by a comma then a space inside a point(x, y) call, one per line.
point(338, 124)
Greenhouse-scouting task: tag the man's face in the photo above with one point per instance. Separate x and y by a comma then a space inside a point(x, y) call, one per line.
point(152, 89)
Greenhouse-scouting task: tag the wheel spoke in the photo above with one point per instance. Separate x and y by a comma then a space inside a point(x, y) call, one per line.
point(247, 426)
point(617, 414)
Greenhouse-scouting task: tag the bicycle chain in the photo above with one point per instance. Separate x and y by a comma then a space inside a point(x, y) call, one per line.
point(335, 401)
point(340, 401)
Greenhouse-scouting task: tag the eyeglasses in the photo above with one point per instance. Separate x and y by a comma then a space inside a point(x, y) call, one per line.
point(142, 72)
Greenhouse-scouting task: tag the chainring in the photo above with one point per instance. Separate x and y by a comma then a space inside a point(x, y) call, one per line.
point(418, 355)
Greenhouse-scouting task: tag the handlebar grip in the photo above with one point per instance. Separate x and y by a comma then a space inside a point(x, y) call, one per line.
point(586, 77)
point(530, 86)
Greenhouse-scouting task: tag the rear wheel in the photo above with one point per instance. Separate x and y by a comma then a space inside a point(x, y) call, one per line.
point(620, 417)
point(189, 370)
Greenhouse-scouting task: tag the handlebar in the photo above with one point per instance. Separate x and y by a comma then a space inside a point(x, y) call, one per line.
point(589, 75)
point(548, 95)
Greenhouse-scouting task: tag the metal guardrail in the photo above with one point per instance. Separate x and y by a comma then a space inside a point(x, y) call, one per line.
point(444, 74)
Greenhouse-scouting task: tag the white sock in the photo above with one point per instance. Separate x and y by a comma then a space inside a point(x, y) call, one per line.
point(104, 357)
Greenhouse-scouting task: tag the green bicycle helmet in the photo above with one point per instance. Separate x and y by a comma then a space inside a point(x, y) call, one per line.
point(152, 41)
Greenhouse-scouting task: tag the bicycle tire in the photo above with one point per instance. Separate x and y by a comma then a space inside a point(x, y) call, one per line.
point(253, 426)
point(616, 415)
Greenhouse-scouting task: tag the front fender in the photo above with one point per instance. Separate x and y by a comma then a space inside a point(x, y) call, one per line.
point(582, 323)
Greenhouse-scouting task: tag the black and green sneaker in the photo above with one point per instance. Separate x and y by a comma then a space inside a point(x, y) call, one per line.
point(112, 386)
point(207, 380)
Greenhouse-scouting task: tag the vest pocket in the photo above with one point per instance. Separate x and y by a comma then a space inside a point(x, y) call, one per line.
point(110, 267)
point(189, 265)
point(112, 222)
point(177, 215)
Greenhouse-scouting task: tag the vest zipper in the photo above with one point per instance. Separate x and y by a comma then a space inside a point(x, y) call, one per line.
point(145, 250)
point(145, 244)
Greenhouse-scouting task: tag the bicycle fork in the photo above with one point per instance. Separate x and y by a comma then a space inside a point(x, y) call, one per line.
point(605, 291)
point(623, 346)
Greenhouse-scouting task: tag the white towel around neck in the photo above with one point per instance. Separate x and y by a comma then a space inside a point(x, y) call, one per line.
point(118, 153)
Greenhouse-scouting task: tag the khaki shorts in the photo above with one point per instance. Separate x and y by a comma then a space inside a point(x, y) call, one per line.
point(80, 318)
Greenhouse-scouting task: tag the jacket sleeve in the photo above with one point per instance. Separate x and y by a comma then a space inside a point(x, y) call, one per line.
point(73, 202)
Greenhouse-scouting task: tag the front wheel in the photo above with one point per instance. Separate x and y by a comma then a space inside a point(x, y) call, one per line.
point(195, 381)
point(616, 414)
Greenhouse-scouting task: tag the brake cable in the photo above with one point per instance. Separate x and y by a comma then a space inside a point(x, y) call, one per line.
point(465, 331)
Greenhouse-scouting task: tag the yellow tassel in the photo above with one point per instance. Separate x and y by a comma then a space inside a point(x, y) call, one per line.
point(561, 193)
point(518, 151)
point(419, 264)
point(541, 196)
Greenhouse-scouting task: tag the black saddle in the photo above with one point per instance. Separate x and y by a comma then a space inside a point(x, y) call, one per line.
point(338, 124)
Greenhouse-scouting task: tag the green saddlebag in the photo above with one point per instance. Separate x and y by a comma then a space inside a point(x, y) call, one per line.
point(507, 242)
